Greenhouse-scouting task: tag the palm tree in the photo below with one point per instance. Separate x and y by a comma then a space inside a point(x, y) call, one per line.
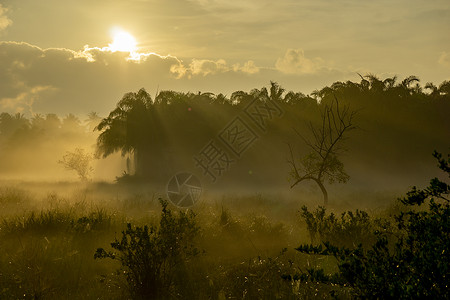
point(71, 123)
point(376, 85)
point(365, 84)
point(37, 122)
point(444, 88)
point(128, 129)
point(9, 124)
point(389, 83)
point(409, 80)
point(276, 92)
point(52, 123)
point(434, 89)
point(93, 120)
point(406, 87)
point(238, 97)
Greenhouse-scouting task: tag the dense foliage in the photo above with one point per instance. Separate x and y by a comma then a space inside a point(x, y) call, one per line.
point(160, 135)
point(415, 265)
point(155, 258)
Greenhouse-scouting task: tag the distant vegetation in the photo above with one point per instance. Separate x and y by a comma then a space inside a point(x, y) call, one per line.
point(399, 121)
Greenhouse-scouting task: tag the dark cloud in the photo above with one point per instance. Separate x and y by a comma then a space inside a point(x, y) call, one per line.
point(73, 80)
point(62, 80)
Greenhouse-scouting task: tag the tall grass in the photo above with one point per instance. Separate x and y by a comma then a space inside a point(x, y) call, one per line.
point(48, 244)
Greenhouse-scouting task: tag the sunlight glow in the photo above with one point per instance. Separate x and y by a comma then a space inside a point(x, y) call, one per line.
point(123, 42)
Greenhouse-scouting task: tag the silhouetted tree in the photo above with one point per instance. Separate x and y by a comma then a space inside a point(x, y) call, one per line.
point(93, 120)
point(71, 124)
point(376, 85)
point(52, 123)
point(78, 161)
point(276, 92)
point(444, 88)
point(37, 122)
point(9, 124)
point(322, 163)
point(389, 82)
point(128, 128)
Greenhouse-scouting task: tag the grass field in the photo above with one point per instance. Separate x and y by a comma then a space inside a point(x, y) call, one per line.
point(49, 234)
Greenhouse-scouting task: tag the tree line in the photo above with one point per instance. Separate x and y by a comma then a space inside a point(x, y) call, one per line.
point(159, 136)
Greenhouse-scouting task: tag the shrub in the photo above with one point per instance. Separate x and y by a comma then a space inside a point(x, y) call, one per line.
point(154, 259)
point(416, 265)
point(351, 229)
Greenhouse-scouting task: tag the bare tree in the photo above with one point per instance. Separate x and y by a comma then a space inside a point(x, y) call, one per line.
point(322, 163)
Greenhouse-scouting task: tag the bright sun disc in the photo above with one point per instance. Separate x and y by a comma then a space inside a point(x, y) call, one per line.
point(123, 41)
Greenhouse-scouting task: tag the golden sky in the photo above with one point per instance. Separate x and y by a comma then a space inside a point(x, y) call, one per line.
point(56, 56)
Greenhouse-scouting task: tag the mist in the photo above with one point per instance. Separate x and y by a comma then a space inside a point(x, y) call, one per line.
point(224, 149)
point(236, 178)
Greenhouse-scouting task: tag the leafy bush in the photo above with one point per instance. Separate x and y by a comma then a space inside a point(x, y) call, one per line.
point(78, 161)
point(416, 265)
point(154, 259)
point(351, 229)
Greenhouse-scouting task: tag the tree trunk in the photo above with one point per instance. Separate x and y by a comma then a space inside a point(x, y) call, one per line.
point(139, 160)
point(324, 192)
point(319, 183)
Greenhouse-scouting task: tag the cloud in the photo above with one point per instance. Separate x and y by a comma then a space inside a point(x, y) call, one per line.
point(295, 62)
point(249, 67)
point(4, 20)
point(204, 67)
point(62, 80)
point(444, 59)
point(24, 100)
point(71, 79)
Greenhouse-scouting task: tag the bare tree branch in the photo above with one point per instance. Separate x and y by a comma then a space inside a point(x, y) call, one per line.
point(322, 163)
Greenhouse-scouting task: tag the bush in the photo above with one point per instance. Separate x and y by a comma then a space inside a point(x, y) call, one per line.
point(154, 259)
point(350, 230)
point(415, 265)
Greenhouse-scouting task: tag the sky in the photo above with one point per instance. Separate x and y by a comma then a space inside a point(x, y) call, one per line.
point(56, 56)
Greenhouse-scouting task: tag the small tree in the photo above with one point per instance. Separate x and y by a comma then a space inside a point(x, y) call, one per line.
point(78, 161)
point(322, 163)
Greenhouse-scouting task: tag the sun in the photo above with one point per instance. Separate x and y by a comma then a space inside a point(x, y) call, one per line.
point(122, 41)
